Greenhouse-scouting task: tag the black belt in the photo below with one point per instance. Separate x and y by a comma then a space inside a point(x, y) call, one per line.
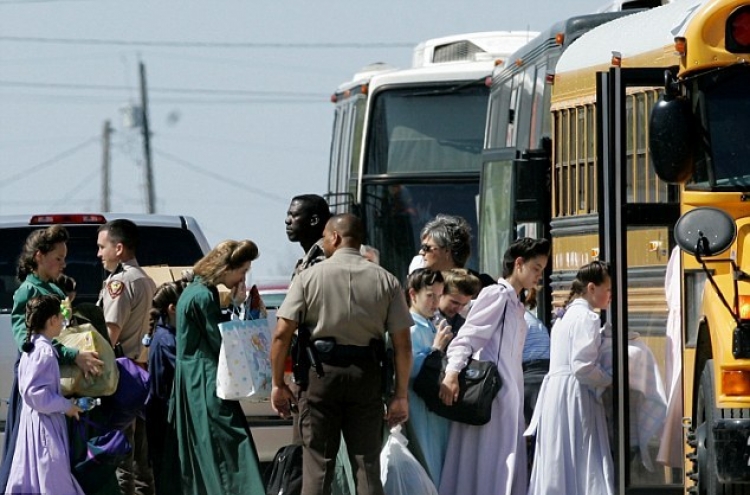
point(335, 354)
point(536, 365)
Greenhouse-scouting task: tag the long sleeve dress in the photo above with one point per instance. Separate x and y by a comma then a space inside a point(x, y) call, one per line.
point(217, 453)
point(32, 287)
point(162, 442)
point(41, 463)
point(572, 455)
point(429, 431)
point(490, 459)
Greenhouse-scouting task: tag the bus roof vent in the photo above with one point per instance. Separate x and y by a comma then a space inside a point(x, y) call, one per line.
point(455, 52)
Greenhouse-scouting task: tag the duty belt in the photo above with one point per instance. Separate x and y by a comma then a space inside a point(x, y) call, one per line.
point(342, 355)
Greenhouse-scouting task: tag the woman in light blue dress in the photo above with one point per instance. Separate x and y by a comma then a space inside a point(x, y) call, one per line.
point(428, 431)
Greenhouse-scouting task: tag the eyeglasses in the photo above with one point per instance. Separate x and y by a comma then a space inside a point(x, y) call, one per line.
point(427, 248)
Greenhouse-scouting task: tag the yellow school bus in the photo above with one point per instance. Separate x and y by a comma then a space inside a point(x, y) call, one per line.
point(649, 151)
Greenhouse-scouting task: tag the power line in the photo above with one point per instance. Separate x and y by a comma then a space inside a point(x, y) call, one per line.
point(220, 178)
point(48, 163)
point(188, 91)
point(210, 44)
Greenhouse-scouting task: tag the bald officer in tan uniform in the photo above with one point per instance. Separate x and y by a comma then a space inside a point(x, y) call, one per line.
point(347, 302)
point(126, 300)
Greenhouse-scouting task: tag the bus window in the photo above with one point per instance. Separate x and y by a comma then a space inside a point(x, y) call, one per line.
point(500, 116)
point(538, 109)
point(397, 212)
point(427, 131)
point(496, 215)
point(525, 103)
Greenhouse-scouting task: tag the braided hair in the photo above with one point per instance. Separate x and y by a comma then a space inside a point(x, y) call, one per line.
point(38, 311)
point(166, 294)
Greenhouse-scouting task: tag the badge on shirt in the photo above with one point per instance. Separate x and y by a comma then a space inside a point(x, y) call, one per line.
point(115, 288)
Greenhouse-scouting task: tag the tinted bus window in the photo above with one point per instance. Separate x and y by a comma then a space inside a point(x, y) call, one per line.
point(427, 130)
point(396, 214)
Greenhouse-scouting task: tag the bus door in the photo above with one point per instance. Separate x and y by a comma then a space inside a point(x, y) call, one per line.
point(636, 238)
point(514, 202)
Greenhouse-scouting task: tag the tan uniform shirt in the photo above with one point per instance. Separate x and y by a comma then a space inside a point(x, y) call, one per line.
point(348, 298)
point(126, 300)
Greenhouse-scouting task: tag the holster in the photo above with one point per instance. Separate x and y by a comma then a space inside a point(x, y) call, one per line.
point(384, 357)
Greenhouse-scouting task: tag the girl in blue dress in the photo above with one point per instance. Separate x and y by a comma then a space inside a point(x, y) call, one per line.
point(41, 463)
point(428, 432)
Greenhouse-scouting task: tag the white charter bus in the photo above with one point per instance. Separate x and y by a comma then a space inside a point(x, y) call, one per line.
point(407, 143)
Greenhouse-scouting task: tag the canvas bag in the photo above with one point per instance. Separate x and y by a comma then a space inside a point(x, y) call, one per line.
point(85, 337)
point(244, 369)
point(400, 472)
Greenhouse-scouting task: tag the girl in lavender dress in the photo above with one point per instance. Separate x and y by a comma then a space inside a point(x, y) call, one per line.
point(41, 463)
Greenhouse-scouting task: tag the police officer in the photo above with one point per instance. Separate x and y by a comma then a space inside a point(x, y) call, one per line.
point(349, 305)
point(126, 301)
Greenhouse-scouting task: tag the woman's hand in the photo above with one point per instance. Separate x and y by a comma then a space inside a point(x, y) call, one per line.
point(73, 411)
point(90, 363)
point(443, 336)
point(449, 388)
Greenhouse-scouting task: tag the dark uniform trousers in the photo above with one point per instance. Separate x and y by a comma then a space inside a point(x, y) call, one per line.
point(347, 400)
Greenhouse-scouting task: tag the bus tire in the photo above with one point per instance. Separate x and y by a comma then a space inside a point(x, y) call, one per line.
point(708, 480)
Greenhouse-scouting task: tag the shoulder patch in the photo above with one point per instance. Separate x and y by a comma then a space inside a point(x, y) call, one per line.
point(115, 288)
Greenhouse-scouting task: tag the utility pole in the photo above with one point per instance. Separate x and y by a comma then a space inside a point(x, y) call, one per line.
point(106, 133)
point(147, 142)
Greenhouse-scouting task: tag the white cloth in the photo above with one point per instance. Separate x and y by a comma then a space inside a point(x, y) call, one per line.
point(572, 453)
point(670, 450)
point(648, 404)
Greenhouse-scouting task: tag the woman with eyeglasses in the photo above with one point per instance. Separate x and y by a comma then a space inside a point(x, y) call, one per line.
point(572, 453)
point(446, 244)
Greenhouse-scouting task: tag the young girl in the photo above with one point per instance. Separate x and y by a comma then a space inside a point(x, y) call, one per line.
point(41, 463)
point(428, 431)
point(491, 459)
point(572, 445)
point(162, 442)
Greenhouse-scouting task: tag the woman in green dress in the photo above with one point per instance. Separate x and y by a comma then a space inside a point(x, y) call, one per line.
point(217, 453)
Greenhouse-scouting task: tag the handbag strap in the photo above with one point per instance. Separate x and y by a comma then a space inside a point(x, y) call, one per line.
point(502, 329)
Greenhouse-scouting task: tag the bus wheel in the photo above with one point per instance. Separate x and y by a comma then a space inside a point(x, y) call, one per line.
point(705, 462)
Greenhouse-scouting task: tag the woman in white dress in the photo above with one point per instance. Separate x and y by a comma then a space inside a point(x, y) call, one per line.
point(572, 454)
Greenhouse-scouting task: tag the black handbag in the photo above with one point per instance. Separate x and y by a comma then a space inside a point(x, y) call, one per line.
point(479, 382)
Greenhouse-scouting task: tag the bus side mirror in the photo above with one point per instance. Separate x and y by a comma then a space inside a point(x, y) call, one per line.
point(705, 231)
point(671, 138)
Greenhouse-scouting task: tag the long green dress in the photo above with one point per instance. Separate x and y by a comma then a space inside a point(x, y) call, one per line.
point(217, 452)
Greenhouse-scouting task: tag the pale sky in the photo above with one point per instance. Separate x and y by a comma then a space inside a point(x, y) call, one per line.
point(239, 92)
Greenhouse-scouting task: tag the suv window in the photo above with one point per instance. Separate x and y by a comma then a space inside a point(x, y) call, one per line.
point(158, 246)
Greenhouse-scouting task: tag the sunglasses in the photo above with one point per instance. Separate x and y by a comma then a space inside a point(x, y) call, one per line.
point(427, 248)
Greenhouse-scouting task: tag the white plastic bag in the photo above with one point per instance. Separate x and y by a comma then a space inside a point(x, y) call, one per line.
point(244, 370)
point(400, 472)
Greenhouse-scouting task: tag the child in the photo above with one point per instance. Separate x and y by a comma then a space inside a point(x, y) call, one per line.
point(428, 431)
point(41, 463)
point(161, 362)
point(572, 452)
